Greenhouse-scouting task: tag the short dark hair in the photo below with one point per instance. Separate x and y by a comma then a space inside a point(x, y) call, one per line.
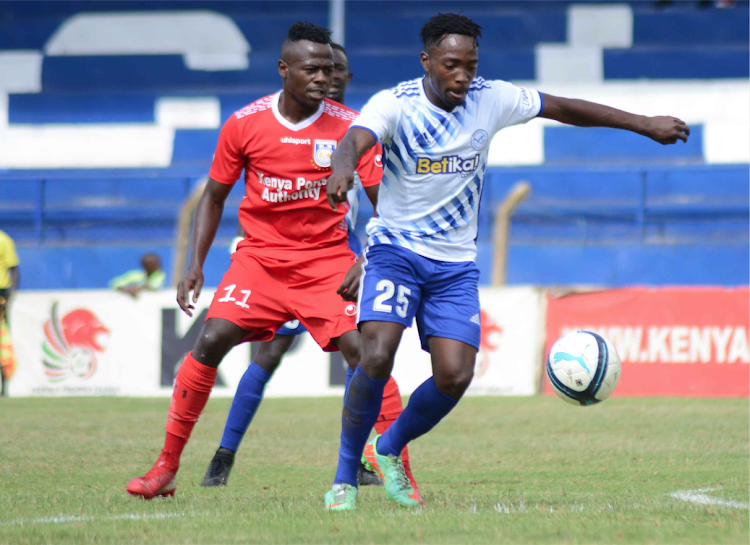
point(310, 32)
point(443, 24)
point(340, 47)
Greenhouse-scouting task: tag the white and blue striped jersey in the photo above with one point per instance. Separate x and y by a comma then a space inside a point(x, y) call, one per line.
point(435, 161)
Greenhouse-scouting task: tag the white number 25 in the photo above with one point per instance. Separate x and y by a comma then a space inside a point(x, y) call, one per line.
point(388, 289)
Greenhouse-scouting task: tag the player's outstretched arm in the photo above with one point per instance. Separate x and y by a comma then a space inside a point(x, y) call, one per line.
point(207, 218)
point(663, 129)
point(343, 162)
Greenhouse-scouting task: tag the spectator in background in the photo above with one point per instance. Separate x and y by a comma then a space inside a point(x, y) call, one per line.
point(9, 278)
point(149, 277)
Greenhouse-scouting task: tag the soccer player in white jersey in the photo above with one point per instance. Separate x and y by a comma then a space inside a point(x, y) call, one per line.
point(420, 262)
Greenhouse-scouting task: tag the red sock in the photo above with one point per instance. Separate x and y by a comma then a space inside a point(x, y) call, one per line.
point(390, 409)
point(192, 387)
point(392, 405)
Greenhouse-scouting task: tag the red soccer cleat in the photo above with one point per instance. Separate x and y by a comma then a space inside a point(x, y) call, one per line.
point(160, 481)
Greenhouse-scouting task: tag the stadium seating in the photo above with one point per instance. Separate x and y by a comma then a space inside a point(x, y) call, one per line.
point(607, 207)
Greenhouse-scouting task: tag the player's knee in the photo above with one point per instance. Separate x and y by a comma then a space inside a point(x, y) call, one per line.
point(455, 381)
point(377, 362)
point(269, 358)
point(212, 345)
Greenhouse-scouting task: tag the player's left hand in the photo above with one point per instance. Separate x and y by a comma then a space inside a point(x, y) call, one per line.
point(666, 129)
point(349, 288)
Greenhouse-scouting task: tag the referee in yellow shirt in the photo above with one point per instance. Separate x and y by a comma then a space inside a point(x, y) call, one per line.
point(9, 276)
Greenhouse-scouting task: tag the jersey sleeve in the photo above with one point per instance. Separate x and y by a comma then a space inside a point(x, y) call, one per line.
point(514, 105)
point(380, 115)
point(370, 166)
point(228, 159)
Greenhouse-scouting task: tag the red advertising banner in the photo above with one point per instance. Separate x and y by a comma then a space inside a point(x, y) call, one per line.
point(688, 342)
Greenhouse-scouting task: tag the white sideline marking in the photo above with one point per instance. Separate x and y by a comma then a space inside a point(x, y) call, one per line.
point(697, 496)
point(63, 519)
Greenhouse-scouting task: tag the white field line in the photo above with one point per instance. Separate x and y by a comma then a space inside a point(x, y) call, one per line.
point(698, 496)
point(63, 519)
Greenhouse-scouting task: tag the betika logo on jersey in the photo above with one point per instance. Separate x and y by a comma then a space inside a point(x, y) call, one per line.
point(453, 164)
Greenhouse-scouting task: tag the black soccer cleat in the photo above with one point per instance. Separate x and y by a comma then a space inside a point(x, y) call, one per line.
point(218, 470)
point(368, 477)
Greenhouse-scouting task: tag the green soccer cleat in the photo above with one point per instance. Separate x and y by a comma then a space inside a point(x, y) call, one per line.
point(341, 497)
point(391, 470)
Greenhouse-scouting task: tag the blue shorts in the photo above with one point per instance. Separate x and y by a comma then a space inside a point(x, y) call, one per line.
point(398, 285)
point(294, 327)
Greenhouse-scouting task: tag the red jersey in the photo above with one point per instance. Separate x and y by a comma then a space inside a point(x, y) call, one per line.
point(285, 207)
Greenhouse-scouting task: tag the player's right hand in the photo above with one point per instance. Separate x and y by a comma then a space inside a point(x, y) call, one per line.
point(192, 281)
point(336, 187)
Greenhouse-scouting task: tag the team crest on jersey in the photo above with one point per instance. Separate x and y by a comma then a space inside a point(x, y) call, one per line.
point(479, 140)
point(322, 151)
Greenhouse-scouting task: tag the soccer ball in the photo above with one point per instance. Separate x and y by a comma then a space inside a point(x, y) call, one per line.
point(583, 368)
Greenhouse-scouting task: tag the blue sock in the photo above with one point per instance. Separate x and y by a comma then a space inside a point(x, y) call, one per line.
point(246, 400)
point(361, 408)
point(427, 406)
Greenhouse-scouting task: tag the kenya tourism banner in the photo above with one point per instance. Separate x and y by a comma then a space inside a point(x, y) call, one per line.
point(690, 342)
point(107, 343)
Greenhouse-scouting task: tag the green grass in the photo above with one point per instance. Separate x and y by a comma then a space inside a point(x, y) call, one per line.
point(497, 470)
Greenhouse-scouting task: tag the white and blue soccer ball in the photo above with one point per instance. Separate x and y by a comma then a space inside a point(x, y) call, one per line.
point(583, 368)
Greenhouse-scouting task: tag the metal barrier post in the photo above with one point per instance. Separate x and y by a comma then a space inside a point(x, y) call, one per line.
point(517, 194)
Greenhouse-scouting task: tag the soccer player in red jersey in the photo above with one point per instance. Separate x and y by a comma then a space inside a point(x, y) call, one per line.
point(268, 358)
point(295, 253)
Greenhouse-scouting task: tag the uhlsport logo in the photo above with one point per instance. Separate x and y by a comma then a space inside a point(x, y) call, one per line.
point(71, 344)
point(350, 310)
point(322, 151)
point(488, 342)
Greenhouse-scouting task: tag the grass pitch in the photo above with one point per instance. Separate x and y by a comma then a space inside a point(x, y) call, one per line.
point(497, 470)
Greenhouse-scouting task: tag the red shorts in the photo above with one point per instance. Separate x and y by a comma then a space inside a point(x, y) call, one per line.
point(260, 293)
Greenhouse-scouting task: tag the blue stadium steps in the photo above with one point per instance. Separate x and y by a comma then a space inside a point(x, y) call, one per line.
point(576, 145)
point(606, 225)
point(384, 37)
point(625, 265)
point(677, 62)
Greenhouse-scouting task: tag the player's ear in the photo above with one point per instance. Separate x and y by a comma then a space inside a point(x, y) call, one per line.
point(425, 60)
point(349, 77)
point(283, 69)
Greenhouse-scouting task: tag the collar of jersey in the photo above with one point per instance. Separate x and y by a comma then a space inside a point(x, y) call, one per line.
point(288, 124)
point(429, 103)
